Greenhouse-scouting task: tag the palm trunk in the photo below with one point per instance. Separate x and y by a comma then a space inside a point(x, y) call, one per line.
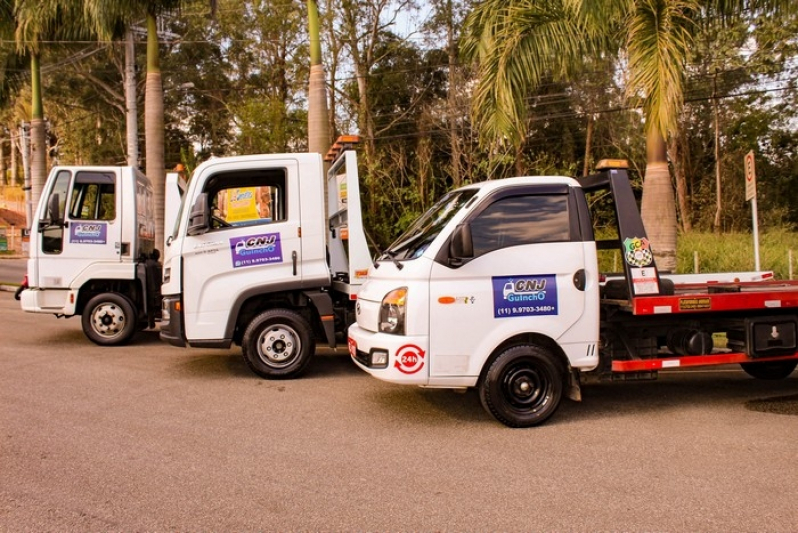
point(154, 128)
point(718, 189)
point(37, 134)
point(658, 207)
point(131, 119)
point(318, 136)
point(3, 178)
point(14, 162)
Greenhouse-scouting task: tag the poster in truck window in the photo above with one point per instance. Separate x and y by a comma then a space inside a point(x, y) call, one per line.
point(245, 204)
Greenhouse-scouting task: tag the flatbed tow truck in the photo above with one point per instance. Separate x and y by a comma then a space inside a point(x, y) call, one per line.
point(497, 287)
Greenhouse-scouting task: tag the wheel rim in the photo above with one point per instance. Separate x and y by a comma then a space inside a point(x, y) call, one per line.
point(526, 387)
point(108, 320)
point(278, 346)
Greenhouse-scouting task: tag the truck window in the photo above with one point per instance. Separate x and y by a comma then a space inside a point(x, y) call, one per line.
point(53, 230)
point(247, 198)
point(93, 197)
point(519, 220)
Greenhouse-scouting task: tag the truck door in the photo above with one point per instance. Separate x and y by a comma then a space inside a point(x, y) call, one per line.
point(527, 251)
point(80, 225)
point(253, 243)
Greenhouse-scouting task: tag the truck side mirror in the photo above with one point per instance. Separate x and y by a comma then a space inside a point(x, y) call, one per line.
point(199, 220)
point(461, 246)
point(53, 215)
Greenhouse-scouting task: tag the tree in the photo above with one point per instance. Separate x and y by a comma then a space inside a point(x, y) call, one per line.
point(518, 43)
point(38, 21)
point(107, 15)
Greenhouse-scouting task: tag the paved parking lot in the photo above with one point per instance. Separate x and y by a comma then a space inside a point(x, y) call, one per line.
point(150, 438)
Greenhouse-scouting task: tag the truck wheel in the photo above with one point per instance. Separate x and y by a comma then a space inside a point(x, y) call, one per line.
point(109, 319)
point(770, 369)
point(523, 386)
point(278, 344)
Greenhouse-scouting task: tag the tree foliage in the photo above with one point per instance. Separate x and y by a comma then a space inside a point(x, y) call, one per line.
point(238, 84)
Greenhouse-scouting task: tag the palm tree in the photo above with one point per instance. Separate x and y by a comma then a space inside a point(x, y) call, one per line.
point(37, 21)
point(107, 16)
point(518, 42)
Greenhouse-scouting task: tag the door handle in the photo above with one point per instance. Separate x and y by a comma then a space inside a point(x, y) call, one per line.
point(293, 259)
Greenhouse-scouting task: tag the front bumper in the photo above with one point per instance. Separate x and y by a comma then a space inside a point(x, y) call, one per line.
point(406, 360)
point(172, 321)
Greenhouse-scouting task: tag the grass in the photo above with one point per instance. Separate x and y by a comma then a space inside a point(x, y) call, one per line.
point(728, 252)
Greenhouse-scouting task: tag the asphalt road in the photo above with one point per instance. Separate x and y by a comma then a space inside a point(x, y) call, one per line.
point(12, 270)
point(151, 438)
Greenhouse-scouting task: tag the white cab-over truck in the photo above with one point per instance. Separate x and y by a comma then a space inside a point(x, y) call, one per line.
point(498, 287)
point(92, 252)
point(253, 260)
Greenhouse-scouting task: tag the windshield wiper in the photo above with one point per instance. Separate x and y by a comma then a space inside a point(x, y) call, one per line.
point(392, 256)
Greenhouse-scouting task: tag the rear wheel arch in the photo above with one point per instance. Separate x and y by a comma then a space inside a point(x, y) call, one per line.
point(130, 289)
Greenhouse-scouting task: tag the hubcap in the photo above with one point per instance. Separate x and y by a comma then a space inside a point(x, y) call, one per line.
point(526, 387)
point(108, 319)
point(279, 345)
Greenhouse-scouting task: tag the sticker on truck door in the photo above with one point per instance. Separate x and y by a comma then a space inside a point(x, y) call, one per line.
point(524, 296)
point(88, 233)
point(256, 250)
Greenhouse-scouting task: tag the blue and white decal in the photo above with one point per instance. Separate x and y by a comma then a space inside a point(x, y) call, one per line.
point(254, 250)
point(524, 295)
point(88, 233)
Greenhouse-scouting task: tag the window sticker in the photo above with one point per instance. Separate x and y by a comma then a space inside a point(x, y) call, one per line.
point(524, 296)
point(94, 233)
point(254, 250)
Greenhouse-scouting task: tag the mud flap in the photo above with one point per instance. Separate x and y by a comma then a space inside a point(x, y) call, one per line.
point(324, 306)
point(574, 391)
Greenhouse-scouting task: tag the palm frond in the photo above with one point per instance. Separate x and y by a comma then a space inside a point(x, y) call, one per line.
point(660, 36)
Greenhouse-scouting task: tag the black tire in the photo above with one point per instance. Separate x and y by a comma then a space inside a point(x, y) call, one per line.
point(770, 369)
point(109, 319)
point(278, 344)
point(523, 386)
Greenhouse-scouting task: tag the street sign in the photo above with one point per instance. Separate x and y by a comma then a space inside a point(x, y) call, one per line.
point(750, 177)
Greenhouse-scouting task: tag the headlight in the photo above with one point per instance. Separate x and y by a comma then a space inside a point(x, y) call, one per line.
point(392, 312)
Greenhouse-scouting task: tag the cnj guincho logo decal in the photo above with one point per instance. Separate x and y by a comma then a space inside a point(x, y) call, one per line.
point(524, 295)
point(256, 250)
point(94, 233)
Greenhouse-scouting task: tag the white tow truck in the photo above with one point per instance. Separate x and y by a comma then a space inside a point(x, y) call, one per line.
point(497, 287)
point(253, 260)
point(92, 252)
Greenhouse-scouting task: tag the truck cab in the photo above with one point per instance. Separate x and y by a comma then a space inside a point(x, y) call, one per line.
point(489, 267)
point(254, 260)
point(92, 252)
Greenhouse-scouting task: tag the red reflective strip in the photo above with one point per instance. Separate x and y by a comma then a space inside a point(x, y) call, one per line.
point(691, 360)
point(732, 301)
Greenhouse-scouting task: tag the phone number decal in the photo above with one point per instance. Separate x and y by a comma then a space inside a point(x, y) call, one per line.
point(537, 310)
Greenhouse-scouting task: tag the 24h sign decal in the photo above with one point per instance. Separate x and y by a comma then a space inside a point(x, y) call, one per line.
point(409, 359)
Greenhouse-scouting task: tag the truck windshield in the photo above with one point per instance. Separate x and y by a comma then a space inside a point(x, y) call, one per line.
point(414, 242)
